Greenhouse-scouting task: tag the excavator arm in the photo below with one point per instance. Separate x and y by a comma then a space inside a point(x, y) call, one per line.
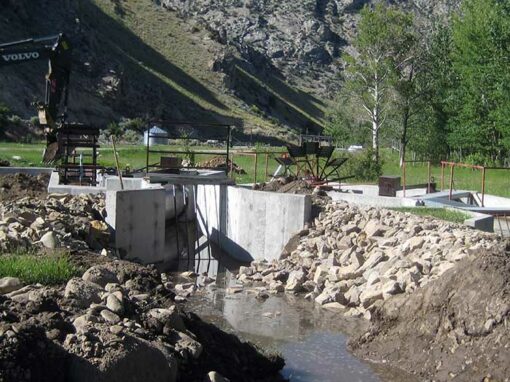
point(52, 111)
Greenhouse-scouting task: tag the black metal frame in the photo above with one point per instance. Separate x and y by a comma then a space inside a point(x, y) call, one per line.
point(165, 125)
point(70, 138)
point(318, 159)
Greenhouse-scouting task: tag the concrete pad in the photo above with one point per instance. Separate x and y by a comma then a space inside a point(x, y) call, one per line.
point(55, 187)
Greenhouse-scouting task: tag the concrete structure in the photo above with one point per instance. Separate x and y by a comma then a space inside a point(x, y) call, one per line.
point(138, 220)
point(250, 224)
point(478, 219)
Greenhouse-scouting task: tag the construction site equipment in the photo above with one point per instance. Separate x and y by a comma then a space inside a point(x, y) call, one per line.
point(172, 160)
point(315, 162)
point(62, 138)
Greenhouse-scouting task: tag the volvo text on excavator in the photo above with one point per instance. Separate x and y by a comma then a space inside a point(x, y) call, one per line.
point(52, 111)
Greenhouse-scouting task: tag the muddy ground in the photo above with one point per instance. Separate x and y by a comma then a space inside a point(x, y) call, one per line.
point(16, 186)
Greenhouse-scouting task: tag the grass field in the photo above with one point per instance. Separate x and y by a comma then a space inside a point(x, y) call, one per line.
point(439, 213)
point(134, 156)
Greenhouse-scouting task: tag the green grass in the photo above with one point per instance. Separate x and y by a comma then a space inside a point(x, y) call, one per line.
point(438, 213)
point(47, 269)
point(497, 181)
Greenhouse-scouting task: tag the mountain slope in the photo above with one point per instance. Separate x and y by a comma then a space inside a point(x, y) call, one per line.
point(131, 59)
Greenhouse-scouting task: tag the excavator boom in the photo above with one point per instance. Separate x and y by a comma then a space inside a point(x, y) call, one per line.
point(52, 111)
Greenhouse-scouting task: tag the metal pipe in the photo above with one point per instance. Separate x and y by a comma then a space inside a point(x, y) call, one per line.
point(428, 171)
point(256, 165)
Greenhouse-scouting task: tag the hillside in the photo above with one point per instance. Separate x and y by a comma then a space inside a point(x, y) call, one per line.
point(270, 66)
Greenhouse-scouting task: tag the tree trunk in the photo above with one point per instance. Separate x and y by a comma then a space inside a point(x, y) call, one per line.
point(376, 123)
point(403, 137)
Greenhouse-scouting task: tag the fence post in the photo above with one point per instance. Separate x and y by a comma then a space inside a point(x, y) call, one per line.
point(451, 180)
point(256, 165)
point(231, 166)
point(404, 177)
point(483, 186)
point(442, 176)
point(267, 163)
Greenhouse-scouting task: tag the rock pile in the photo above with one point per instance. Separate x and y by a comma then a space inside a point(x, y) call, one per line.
point(59, 220)
point(117, 322)
point(354, 258)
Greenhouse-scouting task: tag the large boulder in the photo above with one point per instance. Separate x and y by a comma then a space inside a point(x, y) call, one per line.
point(82, 293)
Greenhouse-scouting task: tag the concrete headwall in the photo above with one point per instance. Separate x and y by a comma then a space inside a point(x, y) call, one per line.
point(250, 224)
point(138, 219)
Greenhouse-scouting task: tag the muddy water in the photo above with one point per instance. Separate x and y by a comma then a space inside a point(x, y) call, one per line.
point(312, 340)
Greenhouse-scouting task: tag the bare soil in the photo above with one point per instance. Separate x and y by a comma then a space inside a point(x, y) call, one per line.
point(17, 186)
point(453, 329)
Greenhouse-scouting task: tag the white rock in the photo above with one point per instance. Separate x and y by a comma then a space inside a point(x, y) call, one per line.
point(9, 284)
point(49, 240)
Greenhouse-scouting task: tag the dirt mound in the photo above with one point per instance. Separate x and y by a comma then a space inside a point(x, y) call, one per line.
point(16, 186)
point(219, 163)
point(118, 322)
point(288, 185)
point(455, 328)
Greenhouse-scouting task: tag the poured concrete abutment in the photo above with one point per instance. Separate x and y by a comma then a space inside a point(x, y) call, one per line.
point(249, 224)
point(138, 219)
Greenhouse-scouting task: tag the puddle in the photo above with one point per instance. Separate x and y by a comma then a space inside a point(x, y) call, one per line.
point(311, 339)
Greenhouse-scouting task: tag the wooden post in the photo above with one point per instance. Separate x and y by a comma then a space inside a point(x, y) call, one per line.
point(267, 162)
point(451, 181)
point(117, 163)
point(483, 186)
point(256, 165)
point(442, 176)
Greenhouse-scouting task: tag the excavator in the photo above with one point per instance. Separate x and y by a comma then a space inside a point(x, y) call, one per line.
point(52, 112)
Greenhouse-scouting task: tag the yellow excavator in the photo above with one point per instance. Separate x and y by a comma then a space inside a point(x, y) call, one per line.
point(52, 112)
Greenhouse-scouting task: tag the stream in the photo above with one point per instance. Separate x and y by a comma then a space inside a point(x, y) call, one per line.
point(312, 340)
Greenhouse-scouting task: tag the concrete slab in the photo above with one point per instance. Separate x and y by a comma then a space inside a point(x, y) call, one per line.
point(372, 200)
point(138, 220)
point(55, 187)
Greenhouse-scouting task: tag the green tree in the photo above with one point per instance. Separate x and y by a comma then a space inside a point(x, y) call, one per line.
point(481, 62)
point(385, 36)
point(433, 83)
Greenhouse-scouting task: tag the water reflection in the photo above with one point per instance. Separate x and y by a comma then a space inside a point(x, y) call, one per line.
point(309, 338)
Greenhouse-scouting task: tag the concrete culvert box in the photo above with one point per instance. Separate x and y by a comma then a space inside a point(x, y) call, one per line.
point(156, 136)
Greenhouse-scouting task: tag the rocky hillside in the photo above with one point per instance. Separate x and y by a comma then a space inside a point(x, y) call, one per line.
point(301, 41)
point(272, 65)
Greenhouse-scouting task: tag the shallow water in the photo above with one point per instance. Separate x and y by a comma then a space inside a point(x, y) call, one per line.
point(312, 340)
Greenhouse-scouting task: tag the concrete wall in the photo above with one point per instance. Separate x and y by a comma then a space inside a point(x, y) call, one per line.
point(138, 220)
point(250, 224)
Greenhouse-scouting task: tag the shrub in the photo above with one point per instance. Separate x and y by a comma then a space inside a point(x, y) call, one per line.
point(363, 167)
